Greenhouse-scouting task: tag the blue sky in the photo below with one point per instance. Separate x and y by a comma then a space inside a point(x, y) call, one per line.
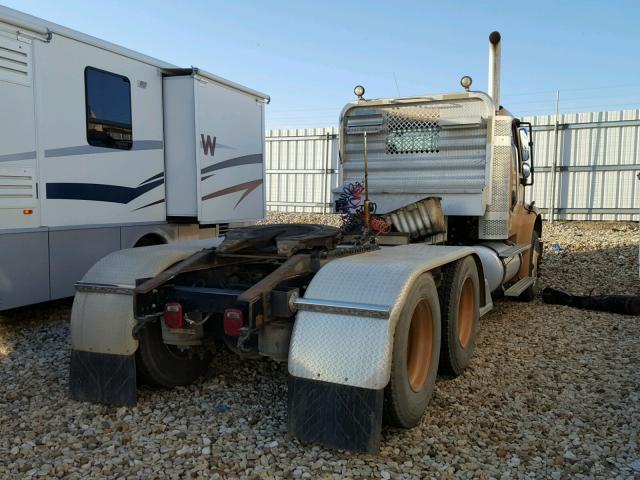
point(308, 55)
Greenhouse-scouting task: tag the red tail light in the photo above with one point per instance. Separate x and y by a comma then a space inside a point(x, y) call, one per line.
point(233, 322)
point(173, 315)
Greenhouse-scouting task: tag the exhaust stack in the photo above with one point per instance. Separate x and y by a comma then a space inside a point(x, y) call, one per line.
point(494, 68)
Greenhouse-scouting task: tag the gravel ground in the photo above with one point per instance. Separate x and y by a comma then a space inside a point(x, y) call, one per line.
point(553, 392)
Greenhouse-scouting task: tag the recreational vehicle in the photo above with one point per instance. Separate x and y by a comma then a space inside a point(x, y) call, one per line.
point(103, 148)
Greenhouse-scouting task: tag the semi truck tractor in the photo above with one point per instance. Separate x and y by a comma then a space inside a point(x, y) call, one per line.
point(435, 226)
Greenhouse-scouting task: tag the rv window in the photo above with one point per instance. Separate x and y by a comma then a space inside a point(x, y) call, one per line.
point(108, 104)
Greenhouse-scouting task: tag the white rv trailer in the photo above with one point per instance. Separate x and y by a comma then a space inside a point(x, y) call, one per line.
point(103, 148)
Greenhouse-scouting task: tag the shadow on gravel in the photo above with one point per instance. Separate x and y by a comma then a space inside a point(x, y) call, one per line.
point(42, 312)
point(30, 325)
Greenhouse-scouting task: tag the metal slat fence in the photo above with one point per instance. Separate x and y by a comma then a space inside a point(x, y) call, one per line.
point(301, 169)
point(597, 160)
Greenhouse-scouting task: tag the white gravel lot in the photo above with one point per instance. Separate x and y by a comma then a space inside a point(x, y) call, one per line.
point(553, 392)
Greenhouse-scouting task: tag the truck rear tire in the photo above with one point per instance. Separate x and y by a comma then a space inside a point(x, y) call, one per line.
point(165, 365)
point(416, 350)
point(459, 303)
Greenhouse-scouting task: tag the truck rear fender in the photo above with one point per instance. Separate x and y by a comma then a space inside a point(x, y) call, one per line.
point(102, 320)
point(356, 350)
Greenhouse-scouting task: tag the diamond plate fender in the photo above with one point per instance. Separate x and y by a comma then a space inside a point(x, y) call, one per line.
point(356, 350)
point(102, 321)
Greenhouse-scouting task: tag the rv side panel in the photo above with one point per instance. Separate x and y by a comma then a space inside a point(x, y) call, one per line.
point(79, 88)
point(74, 251)
point(24, 268)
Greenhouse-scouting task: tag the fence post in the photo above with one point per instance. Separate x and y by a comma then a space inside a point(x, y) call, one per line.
point(555, 160)
point(327, 189)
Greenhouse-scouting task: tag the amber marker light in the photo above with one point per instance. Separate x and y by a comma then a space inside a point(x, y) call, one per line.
point(27, 211)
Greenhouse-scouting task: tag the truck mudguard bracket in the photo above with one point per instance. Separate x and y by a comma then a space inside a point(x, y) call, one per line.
point(103, 378)
point(336, 416)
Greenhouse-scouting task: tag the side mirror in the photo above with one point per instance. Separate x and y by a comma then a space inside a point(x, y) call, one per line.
point(526, 140)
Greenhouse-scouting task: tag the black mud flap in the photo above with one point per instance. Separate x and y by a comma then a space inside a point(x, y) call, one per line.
point(103, 378)
point(336, 416)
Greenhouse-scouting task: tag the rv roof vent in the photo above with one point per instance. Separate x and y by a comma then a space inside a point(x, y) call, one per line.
point(15, 61)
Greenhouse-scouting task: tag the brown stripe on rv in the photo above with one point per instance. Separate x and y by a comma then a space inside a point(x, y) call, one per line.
point(247, 186)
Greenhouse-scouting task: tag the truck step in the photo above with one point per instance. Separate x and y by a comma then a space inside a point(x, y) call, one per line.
point(520, 286)
point(515, 250)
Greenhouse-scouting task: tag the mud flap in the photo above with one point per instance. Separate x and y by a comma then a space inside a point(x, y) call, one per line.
point(103, 378)
point(335, 416)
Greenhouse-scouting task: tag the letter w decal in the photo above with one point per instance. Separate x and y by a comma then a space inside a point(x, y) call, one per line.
point(208, 144)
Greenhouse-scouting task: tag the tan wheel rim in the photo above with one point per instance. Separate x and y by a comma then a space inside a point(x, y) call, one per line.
point(466, 312)
point(419, 346)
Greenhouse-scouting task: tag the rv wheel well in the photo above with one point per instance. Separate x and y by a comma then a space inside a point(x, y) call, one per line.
point(150, 239)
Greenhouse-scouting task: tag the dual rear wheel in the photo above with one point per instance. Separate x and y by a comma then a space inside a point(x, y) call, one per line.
point(436, 332)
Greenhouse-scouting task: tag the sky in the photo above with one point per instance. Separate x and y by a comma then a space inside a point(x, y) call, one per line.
point(308, 55)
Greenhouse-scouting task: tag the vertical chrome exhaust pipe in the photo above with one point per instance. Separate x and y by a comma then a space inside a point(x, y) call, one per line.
point(494, 68)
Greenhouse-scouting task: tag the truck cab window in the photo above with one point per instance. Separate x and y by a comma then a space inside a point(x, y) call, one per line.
point(108, 109)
